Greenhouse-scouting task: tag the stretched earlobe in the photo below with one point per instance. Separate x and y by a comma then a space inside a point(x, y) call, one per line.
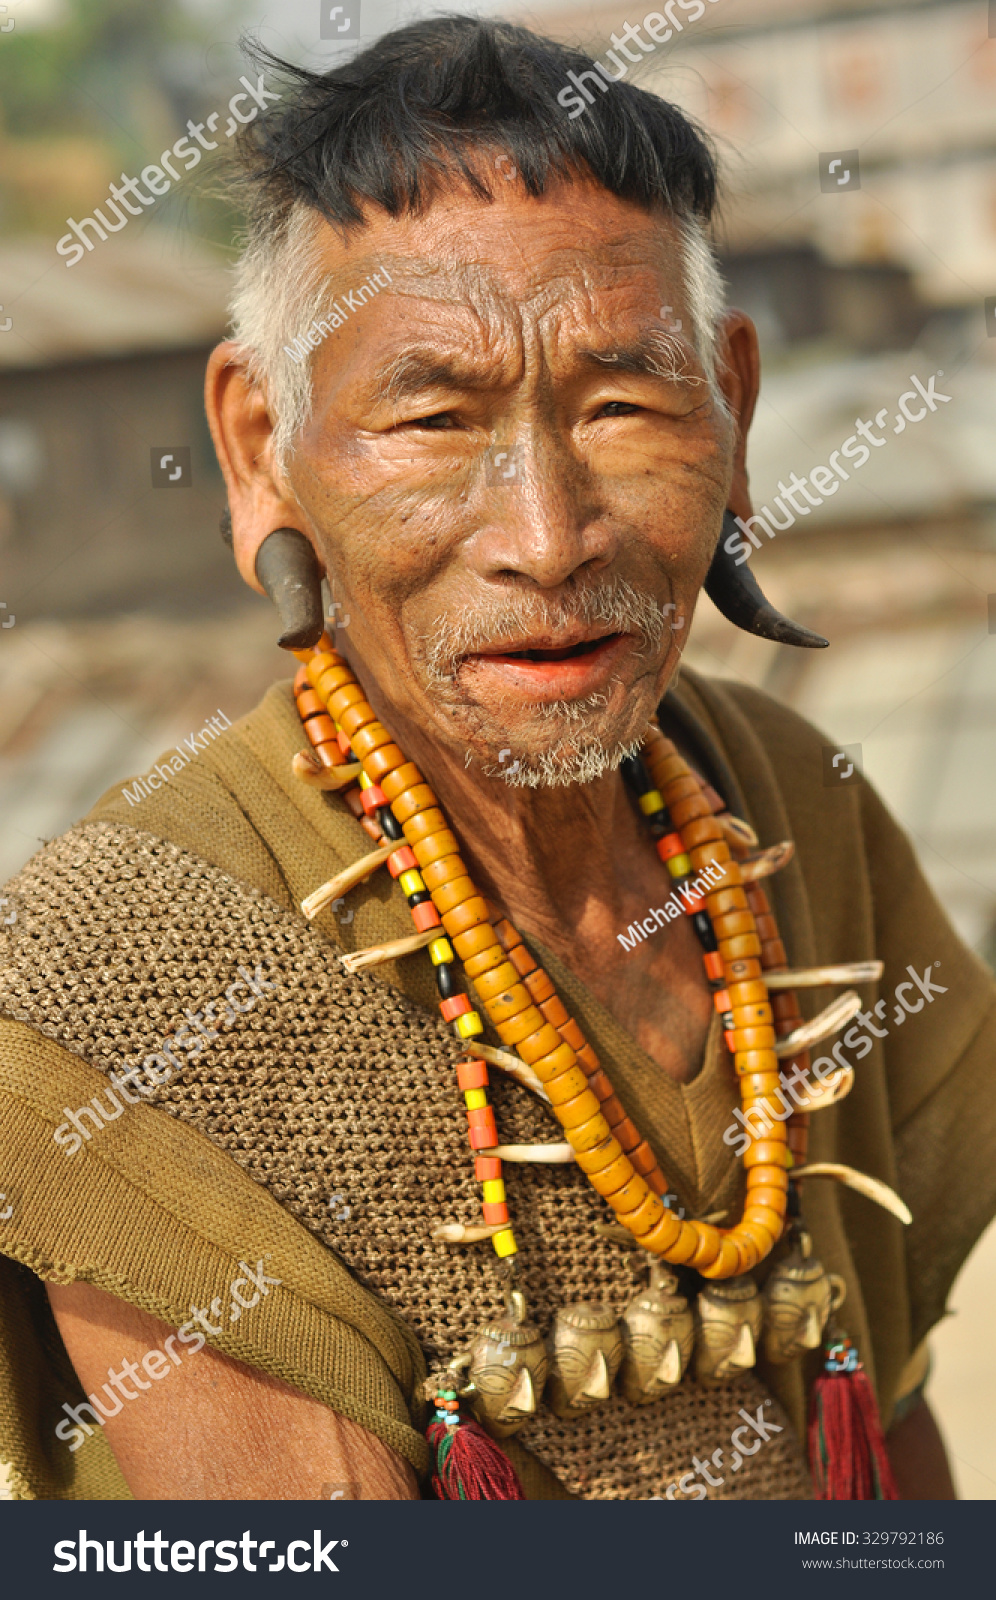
point(289, 571)
point(735, 592)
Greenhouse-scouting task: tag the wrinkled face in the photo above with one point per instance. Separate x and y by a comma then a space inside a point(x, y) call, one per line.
point(515, 470)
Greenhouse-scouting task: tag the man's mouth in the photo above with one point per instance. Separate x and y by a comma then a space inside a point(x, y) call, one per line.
point(541, 669)
point(567, 652)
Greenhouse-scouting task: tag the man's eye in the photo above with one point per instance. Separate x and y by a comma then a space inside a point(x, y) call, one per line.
point(617, 408)
point(439, 419)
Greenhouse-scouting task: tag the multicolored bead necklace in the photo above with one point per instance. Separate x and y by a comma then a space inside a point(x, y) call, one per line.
point(734, 924)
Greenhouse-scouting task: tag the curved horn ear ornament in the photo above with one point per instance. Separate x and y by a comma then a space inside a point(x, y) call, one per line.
point(289, 571)
point(735, 592)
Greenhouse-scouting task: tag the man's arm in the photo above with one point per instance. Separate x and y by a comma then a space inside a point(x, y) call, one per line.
point(209, 1428)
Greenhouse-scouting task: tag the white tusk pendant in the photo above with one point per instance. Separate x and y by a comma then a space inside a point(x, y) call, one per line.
point(309, 771)
point(551, 1155)
point(376, 953)
point(466, 1233)
point(515, 1068)
point(347, 879)
point(871, 1188)
point(836, 1086)
point(816, 977)
point(597, 1381)
point(830, 1020)
point(767, 861)
point(737, 832)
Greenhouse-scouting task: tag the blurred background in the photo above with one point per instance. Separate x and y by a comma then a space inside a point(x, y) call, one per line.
point(122, 622)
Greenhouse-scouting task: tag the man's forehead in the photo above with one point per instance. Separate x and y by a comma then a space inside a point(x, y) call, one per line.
point(487, 260)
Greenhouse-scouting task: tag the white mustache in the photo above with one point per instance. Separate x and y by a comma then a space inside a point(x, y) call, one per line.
point(615, 604)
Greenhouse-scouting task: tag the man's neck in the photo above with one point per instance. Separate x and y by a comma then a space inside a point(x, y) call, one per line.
point(564, 863)
point(573, 867)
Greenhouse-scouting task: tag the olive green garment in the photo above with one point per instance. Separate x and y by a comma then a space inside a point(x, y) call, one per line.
point(162, 1215)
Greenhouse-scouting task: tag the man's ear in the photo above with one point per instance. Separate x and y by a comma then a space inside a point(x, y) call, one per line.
point(259, 499)
point(739, 372)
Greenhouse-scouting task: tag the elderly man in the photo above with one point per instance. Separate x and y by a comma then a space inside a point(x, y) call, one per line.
point(482, 379)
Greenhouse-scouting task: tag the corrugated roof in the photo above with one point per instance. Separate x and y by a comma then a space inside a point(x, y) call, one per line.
point(149, 291)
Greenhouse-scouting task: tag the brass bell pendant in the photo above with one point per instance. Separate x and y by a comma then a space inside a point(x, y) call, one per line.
point(658, 1333)
point(585, 1349)
point(506, 1367)
point(728, 1318)
point(799, 1299)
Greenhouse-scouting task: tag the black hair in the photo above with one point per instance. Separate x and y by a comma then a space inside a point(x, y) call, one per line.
point(422, 105)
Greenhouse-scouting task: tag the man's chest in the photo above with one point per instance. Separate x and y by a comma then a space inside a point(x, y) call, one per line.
point(655, 991)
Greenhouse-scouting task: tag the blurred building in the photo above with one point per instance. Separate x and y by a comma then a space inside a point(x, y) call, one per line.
point(910, 89)
point(101, 375)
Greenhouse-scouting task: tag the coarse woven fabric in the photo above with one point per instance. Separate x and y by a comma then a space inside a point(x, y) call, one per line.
point(253, 1145)
point(330, 1085)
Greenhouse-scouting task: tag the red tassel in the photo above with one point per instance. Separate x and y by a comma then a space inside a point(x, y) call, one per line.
point(847, 1454)
point(469, 1465)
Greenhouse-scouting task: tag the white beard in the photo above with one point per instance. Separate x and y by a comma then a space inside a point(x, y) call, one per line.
point(577, 756)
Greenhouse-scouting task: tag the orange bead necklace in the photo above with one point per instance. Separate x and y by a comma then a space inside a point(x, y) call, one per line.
point(397, 807)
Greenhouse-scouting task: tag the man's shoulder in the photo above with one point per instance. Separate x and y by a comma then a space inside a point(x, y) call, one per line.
point(207, 768)
point(732, 708)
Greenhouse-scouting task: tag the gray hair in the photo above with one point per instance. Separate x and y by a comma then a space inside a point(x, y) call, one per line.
point(282, 285)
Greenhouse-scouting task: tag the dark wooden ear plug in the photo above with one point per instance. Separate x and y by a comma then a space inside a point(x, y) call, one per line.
point(735, 592)
point(289, 571)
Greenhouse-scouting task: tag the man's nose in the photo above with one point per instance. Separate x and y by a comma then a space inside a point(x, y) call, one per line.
point(543, 512)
